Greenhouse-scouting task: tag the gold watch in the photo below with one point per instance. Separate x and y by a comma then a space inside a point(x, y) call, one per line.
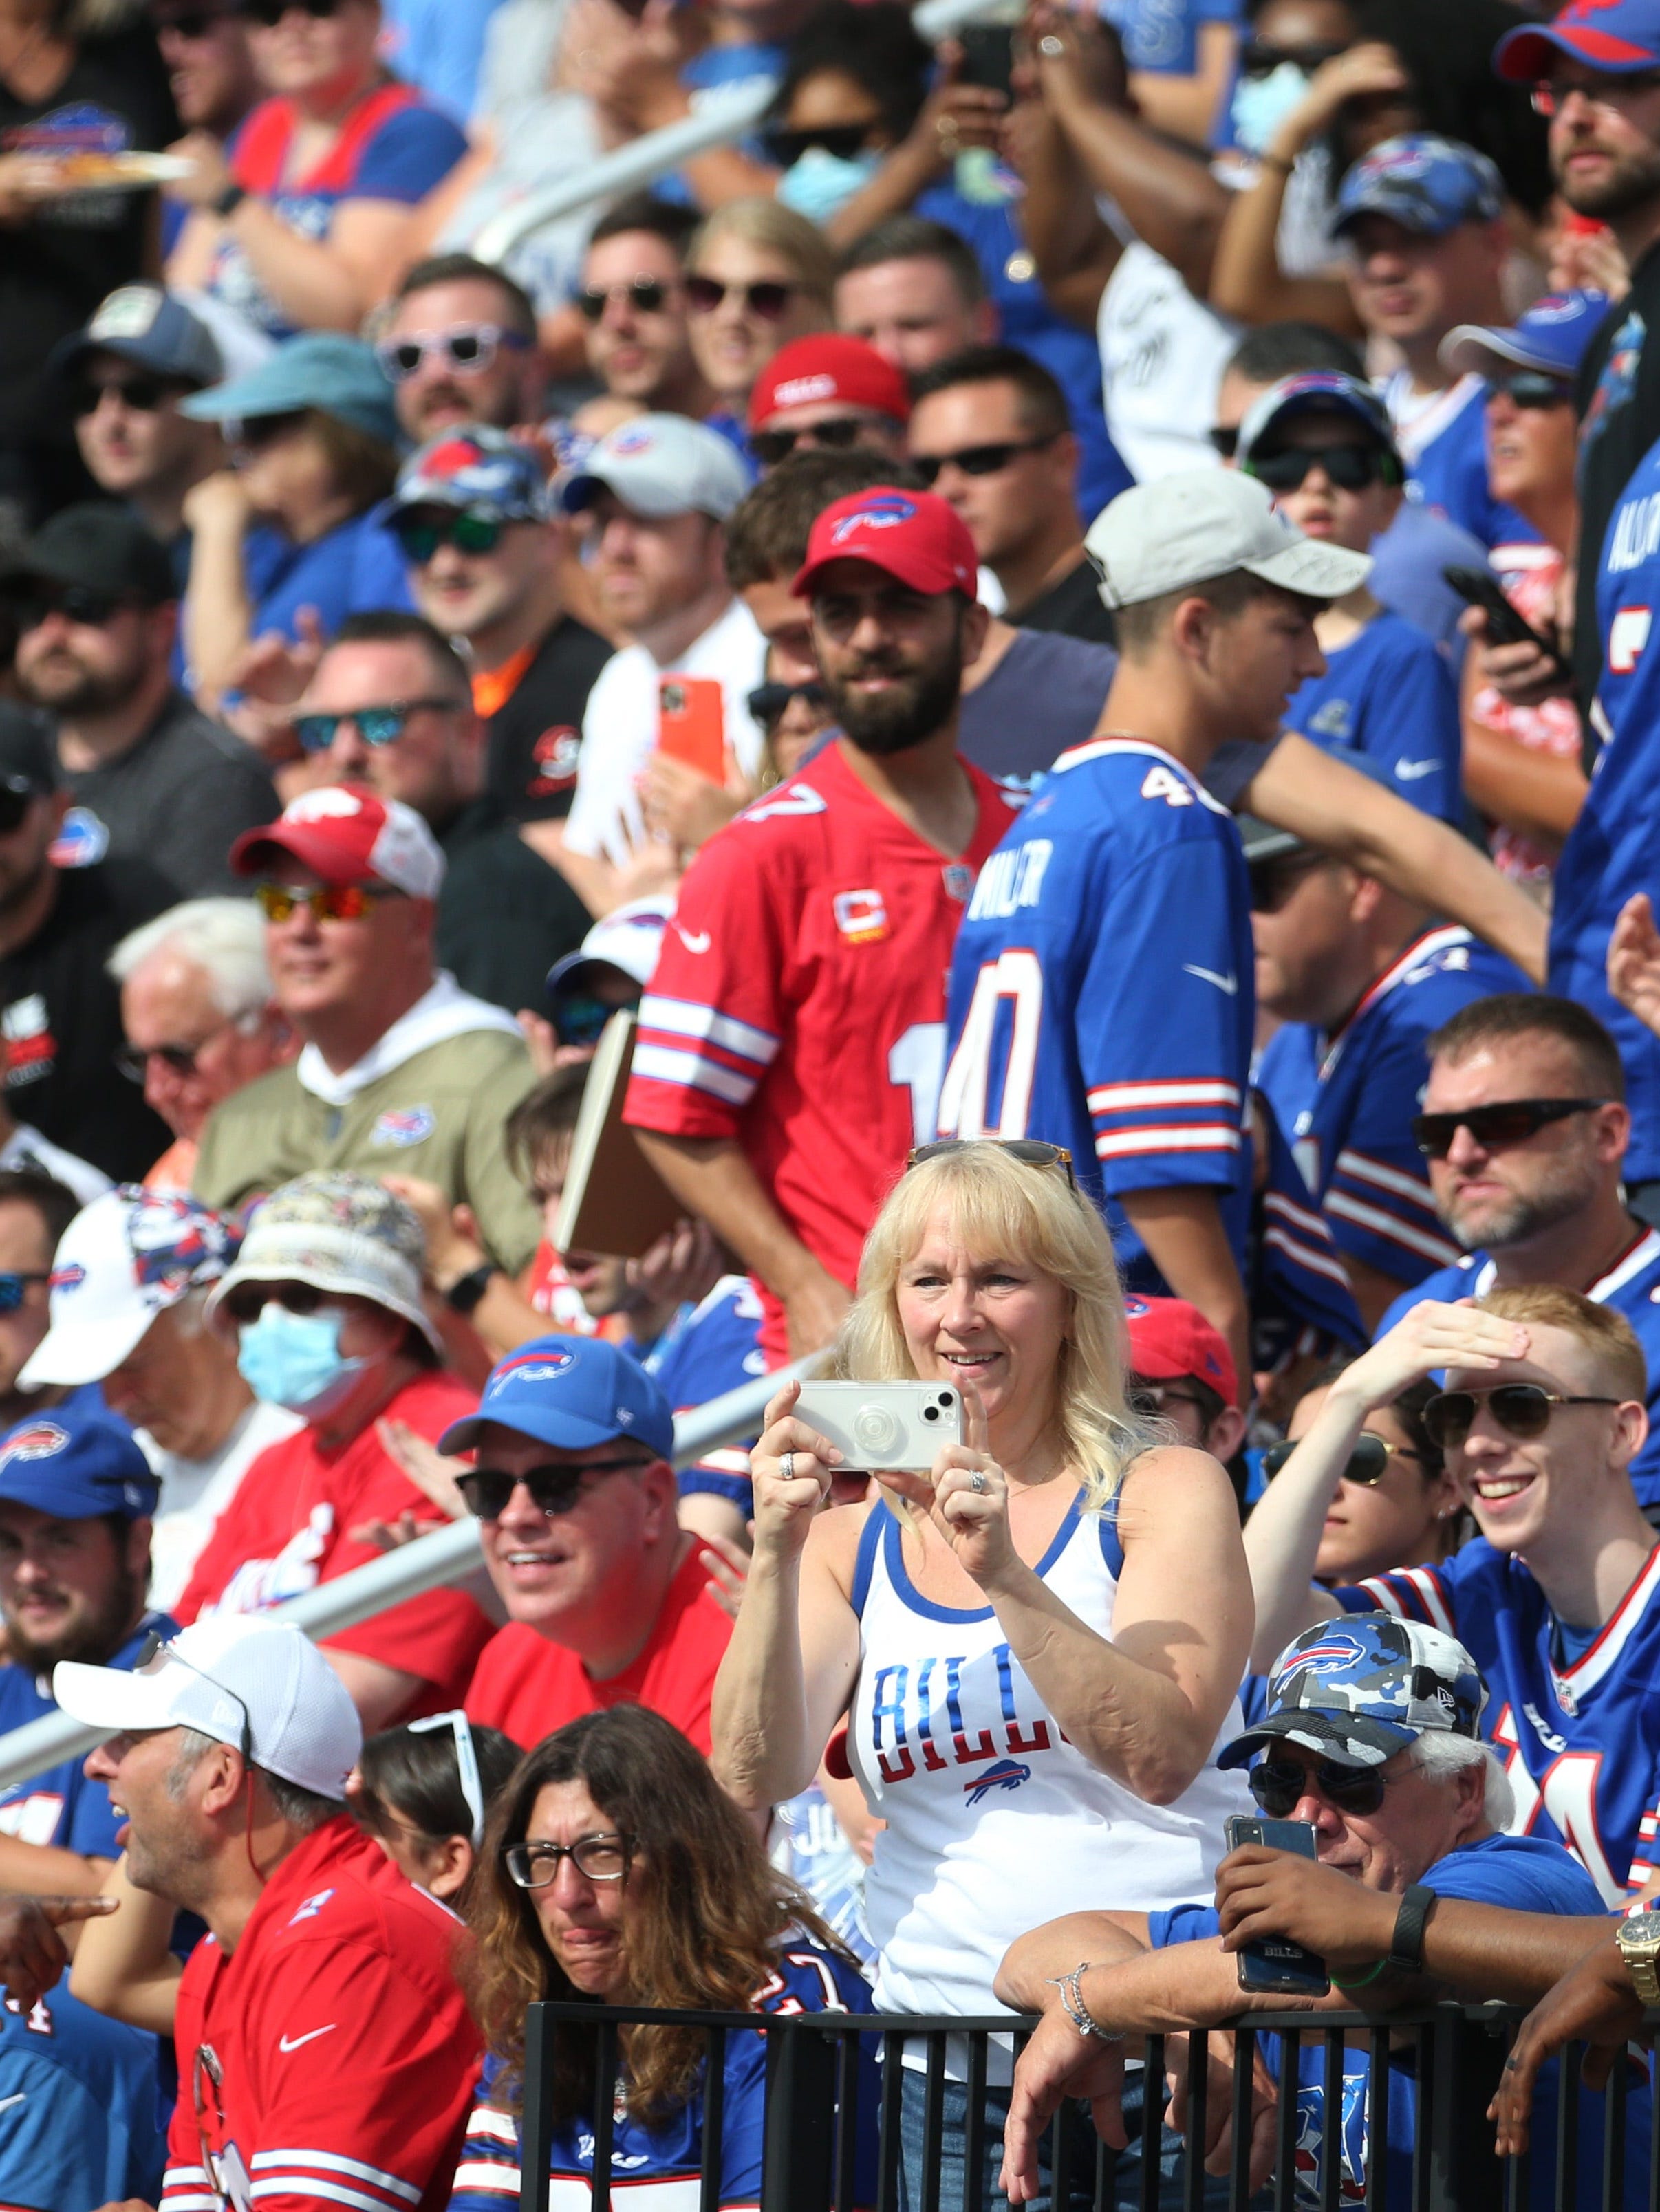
point(1639, 1939)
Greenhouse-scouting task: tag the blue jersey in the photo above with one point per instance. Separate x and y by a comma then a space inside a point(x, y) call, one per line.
point(62, 1806)
point(1631, 1286)
point(1102, 987)
point(1345, 1101)
point(1388, 693)
point(1524, 1874)
point(1444, 447)
point(707, 1351)
point(80, 2118)
point(1162, 36)
point(1610, 851)
point(657, 2166)
point(1580, 1740)
point(1300, 1299)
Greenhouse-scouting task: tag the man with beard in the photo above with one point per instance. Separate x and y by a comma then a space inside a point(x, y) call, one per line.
point(1101, 988)
point(151, 778)
point(789, 1048)
point(459, 346)
point(1524, 1129)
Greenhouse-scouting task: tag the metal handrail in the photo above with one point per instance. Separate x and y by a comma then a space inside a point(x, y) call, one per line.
point(722, 115)
point(449, 1555)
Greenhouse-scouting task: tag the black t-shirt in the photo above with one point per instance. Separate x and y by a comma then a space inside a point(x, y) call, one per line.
point(177, 800)
point(1618, 397)
point(1045, 694)
point(504, 915)
point(1073, 606)
point(60, 1014)
point(57, 267)
point(535, 734)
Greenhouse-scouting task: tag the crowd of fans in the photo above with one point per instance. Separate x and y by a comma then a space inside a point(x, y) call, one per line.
point(998, 735)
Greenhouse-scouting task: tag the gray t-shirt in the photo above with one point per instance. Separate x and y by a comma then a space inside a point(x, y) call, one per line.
point(177, 800)
point(1045, 694)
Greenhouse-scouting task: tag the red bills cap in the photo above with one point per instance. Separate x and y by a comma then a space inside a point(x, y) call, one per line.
point(809, 371)
point(345, 835)
point(912, 535)
point(1168, 1339)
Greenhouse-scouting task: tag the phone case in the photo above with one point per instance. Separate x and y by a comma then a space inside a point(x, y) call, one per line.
point(899, 1426)
point(1275, 1962)
point(691, 724)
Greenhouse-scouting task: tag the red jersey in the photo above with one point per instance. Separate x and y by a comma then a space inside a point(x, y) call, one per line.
point(527, 1687)
point(331, 2060)
point(288, 1528)
point(799, 1002)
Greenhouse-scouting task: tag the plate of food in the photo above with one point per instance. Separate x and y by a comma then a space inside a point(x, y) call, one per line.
point(104, 172)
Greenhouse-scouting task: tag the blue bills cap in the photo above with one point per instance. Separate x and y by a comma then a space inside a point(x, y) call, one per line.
point(73, 1465)
point(1424, 183)
point(1358, 1689)
point(570, 1392)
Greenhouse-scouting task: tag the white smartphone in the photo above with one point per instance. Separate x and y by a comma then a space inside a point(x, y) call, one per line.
point(894, 1425)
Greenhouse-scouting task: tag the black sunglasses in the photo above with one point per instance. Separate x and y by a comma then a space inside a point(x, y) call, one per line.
point(978, 460)
point(646, 295)
point(249, 1300)
point(1351, 468)
point(839, 435)
point(1532, 387)
point(1257, 58)
point(554, 1489)
point(17, 795)
point(1224, 442)
point(143, 394)
point(271, 12)
point(191, 22)
point(1521, 1409)
point(1031, 1151)
point(1367, 1463)
point(134, 1063)
point(1509, 1121)
point(767, 298)
point(841, 140)
point(769, 703)
point(1279, 1787)
point(581, 1021)
point(420, 531)
point(76, 603)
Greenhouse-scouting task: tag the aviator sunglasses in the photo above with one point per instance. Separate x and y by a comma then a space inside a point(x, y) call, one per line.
point(1521, 1409)
point(1368, 1462)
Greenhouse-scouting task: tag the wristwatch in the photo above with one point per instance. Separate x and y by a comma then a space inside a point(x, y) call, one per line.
point(229, 200)
point(1639, 1939)
point(463, 1295)
point(1407, 1950)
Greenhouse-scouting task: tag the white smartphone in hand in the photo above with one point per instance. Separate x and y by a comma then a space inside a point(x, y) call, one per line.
point(895, 1427)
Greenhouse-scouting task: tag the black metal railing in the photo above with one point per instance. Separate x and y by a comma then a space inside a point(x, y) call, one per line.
point(1600, 2154)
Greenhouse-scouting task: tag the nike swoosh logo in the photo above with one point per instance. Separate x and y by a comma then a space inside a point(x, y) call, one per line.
point(6, 2103)
point(1409, 771)
point(1228, 983)
point(698, 942)
point(293, 2042)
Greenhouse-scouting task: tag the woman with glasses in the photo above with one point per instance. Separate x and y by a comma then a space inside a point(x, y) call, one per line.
point(615, 1870)
point(1037, 1643)
point(757, 275)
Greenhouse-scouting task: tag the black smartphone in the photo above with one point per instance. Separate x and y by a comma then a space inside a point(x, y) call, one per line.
point(1275, 1962)
point(1505, 626)
point(989, 55)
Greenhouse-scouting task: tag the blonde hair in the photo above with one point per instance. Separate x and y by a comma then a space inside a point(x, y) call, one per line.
point(777, 229)
point(1003, 1207)
point(1608, 1336)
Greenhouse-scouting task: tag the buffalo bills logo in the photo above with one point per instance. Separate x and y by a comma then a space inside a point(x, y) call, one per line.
point(628, 440)
point(450, 458)
point(529, 1367)
point(1134, 1308)
point(1404, 161)
point(1006, 1774)
point(69, 1278)
point(404, 1125)
point(1332, 1656)
point(887, 512)
point(82, 843)
point(39, 1440)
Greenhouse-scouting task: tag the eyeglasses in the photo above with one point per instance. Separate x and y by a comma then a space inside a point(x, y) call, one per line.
point(1531, 388)
point(1508, 1121)
point(143, 394)
point(601, 1858)
point(1224, 442)
point(1351, 468)
point(1614, 93)
point(1031, 1151)
point(554, 1489)
point(270, 13)
point(841, 140)
point(12, 1289)
point(769, 703)
point(769, 299)
point(1279, 1787)
point(76, 603)
point(1257, 58)
point(1521, 1409)
point(420, 532)
point(17, 795)
point(466, 1763)
point(839, 435)
point(376, 725)
point(1368, 1462)
point(134, 1060)
point(1154, 1397)
point(156, 1646)
point(466, 348)
point(249, 1300)
point(327, 902)
point(977, 460)
point(580, 1021)
point(647, 296)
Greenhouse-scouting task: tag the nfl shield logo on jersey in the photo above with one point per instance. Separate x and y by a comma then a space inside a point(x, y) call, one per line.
point(404, 1125)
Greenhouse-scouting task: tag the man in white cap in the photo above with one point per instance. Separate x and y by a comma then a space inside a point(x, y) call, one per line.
point(658, 490)
point(128, 1283)
point(1110, 932)
point(321, 2032)
point(324, 1306)
point(401, 1070)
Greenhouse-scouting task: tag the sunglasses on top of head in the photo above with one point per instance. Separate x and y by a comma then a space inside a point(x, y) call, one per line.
point(1508, 1121)
point(1521, 1409)
point(1031, 1151)
point(769, 299)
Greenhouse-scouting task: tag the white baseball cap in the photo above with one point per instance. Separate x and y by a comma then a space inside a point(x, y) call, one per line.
point(122, 1260)
point(248, 1682)
point(629, 938)
point(662, 465)
point(1204, 523)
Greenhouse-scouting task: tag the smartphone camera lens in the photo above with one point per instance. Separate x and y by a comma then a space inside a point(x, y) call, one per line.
point(930, 1412)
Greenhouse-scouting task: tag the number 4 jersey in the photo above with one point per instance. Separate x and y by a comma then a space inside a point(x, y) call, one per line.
point(799, 1001)
point(1100, 994)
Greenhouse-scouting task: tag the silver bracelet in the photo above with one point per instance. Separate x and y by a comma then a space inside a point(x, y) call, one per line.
point(1072, 2000)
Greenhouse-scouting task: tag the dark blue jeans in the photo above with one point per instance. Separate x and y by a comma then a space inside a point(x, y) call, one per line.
point(1125, 2195)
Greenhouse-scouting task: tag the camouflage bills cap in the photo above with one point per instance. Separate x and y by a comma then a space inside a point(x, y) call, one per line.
point(1358, 1689)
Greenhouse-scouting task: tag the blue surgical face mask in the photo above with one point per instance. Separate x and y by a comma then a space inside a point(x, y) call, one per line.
point(1260, 104)
point(294, 1360)
point(821, 183)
